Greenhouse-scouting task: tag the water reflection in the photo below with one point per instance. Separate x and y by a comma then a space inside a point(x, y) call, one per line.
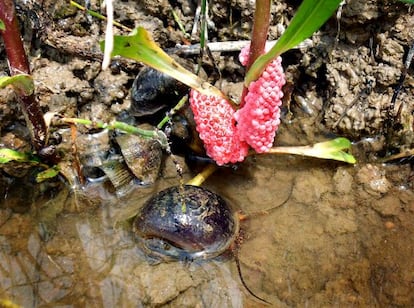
point(90, 259)
point(338, 240)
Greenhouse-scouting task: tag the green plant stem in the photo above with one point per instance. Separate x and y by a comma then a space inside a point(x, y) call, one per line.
point(203, 26)
point(153, 134)
point(179, 23)
point(260, 30)
point(310, 16)
point(177, 107)
point(259, 36)
point(202, 176)
point(18, 64)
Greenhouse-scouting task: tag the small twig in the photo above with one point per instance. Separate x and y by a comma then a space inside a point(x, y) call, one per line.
point(404, 154)
point(76, 161)
point(202, 176)
point(229, 46)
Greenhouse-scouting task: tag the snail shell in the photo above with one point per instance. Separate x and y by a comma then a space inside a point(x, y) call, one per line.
point(153, 91)
point(142, 155)
point(186, 222)
point(184, 136)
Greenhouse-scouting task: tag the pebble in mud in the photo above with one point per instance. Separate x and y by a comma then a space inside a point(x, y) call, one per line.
point(387, 206)
point(53, 79)
point(188, 285)
point(311, 186)
point(111, 88)
point(343, 181)
point(373, 180)
point(166, 289)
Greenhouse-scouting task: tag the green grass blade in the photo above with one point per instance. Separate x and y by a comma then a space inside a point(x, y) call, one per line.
point(332, 149)
point(139, 46)
point(21, 82)
point(9, 155)
point(47, 174)
point(311, 15)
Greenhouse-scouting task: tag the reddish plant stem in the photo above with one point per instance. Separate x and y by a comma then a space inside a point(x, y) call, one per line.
point(259, 36)
point(18, 64)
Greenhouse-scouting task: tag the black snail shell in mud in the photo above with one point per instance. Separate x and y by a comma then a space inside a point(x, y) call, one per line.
point(153, 91)
point(187, 222)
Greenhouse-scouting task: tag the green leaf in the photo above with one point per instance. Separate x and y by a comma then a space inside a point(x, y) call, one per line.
point(332, 149)
point(47, 174)
point(21, 82)
point(139, 46)
point(311, 15)
point(408, 1)
point(8, 155)
point(2, 25)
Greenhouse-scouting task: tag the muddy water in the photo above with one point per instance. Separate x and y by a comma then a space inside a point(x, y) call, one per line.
point(319, 233)
point(344, 237)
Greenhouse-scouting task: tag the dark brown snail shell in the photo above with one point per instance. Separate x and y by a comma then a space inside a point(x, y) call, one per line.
point(186, 223)
point(153, 91)
point(142, 155)
point(184, 136)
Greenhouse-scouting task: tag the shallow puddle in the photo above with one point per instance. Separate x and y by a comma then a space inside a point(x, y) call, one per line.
point(318, 233)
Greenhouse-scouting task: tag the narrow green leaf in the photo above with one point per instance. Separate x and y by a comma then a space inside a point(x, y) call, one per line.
point(336, 144)
point(139, 46)
point(47, 174)
point(331, 149)
point(8, 155)
point(22, 83)
point(2, 25)
point(311, 15)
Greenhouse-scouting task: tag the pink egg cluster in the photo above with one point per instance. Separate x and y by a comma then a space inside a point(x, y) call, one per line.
point(216, 125)
point(227, 133)
point(259, 118)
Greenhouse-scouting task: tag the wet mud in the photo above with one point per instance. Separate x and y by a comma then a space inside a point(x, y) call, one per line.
point(317, 233)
